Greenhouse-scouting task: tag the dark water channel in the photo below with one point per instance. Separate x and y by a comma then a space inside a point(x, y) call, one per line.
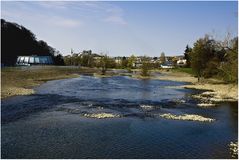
point(50, 123)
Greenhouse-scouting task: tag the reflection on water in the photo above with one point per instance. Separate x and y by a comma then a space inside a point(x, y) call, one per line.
point(50, 124)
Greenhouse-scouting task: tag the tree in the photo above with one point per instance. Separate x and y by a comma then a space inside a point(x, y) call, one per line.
point(104, 62)
point(211, 58)
point(162, 58)
point(111, 63)
point(67, 60)
point(145, 66)
point(131, 62)
point(87, 60)
point(124, 62)
point(58, 59)
point(202, 52)
point(187, 52)
point(229, 67)
point(20, 41)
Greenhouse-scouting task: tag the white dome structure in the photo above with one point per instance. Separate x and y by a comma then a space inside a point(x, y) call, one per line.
point(34, 60)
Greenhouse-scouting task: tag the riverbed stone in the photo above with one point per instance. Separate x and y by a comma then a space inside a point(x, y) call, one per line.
point(101, 115)
point(187, 117)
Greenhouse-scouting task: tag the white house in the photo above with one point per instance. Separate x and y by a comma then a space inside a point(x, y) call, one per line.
point(182, 62)
point(167, 65)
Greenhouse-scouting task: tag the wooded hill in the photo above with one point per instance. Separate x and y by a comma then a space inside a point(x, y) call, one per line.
point(16, 40)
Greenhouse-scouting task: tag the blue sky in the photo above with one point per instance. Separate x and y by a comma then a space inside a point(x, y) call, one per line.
point(123, 28)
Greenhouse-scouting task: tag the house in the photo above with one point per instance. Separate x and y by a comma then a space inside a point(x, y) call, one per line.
point(96, 57)
point(182, 62)
point(167, 65)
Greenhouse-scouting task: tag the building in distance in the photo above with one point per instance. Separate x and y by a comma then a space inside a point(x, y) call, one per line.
point(34, 60)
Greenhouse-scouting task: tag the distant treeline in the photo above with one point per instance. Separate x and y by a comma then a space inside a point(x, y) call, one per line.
point(20, 41)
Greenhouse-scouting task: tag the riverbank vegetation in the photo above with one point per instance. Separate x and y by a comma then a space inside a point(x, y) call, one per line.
point(213, 58)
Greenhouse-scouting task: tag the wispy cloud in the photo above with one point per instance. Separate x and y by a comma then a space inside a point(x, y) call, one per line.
point(115, 15)
point(20, 11)
point(65, 22)
point(116, 19)
point(68, 13)
point(105, 11)
point(52, 4)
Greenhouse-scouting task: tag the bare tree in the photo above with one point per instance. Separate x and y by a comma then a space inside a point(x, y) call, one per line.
point(104, 60)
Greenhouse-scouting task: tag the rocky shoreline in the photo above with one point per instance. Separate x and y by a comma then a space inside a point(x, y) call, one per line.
point(214, 91)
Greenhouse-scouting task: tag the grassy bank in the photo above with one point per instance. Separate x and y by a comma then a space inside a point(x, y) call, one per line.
point(21, 80)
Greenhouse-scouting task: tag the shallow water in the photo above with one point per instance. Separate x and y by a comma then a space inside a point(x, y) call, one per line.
point(50, 124)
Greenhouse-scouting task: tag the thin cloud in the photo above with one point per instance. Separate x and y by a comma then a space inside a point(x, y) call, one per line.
point(106, 11)
point(116, 19)
point(115, 15)
point(52, 5)
point(65, 22)
point(102, 11)
point(38, 17)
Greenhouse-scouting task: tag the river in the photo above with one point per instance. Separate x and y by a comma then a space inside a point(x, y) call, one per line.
point(50, 123)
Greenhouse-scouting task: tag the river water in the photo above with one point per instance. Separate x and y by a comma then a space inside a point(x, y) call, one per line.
point(50, 123)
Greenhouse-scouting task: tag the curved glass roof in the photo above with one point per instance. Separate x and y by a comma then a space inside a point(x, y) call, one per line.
point(34, 60)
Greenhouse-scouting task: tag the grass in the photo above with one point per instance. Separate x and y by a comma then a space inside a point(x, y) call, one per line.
point(185, 70)
point(21, 80)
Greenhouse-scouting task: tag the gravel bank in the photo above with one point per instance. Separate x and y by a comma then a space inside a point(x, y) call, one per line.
point(13, 91)
point(101, 115)
point(187, 117)
point(218, 90)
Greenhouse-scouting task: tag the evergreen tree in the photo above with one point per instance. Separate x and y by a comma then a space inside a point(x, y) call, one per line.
point(187, 52)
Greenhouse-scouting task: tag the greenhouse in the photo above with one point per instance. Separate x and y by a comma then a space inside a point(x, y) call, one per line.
point(34, 60)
